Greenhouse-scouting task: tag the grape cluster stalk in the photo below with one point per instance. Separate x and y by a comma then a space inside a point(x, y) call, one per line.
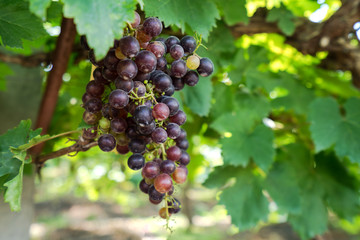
point(129, 105)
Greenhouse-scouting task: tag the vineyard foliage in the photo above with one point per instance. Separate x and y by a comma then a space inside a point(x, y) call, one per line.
point(288, 130)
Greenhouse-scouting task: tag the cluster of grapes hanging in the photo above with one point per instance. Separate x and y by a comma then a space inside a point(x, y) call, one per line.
point(130, 107)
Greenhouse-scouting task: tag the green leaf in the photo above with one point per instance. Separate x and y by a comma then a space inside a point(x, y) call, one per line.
point(38, 7)
point(257, 144)
point(234, 11)
point(284, 19)
point(5, 71)
point(17, 23)
point(329, 128)
point(244, 201)
point(199, 15)
point(102, 22)
point(198, 98)
point(219, 176)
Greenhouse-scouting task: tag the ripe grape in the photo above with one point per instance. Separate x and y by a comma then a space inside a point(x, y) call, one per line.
point(107, 142)
point(136, 21)
point(145, 61)
point(161, 111)
point(180, 174)
point(151, 170)
point(172, 104)
point(178, 68)
point(141, 77)
point(129, 46)
point(146, 129)
point(162, 82)
point(126, 85)
point(178, 83)
point(144, 187)
point(173, 153)
point(142, 36)
point(167, 166)
point(179, 118)
point(184, 158)
point(127, 69)
point(173, 130)
point(152, 26)
point(157, 48)
point(139, 89)
point(110, 60)
point(118, 99)
point(122, 149)
point(172, 40)
point(95, 89)
point(191, 78)
point(143, 115)
point(118, 125)
point(176, 51)
point(206, 67)
point(188, 43)
point(109, 75)
point(159, 135)
point(161, 64)
point(170, 91)
point(137, 145)
point(163, 183)
point(183, 144)
point(94, 105)
point(136, 161)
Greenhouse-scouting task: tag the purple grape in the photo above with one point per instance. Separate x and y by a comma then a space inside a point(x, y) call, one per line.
point(152, 26)
point(183, 144)
point(143, 115)
point(94, 105)
point(184, 158)
point(118, 125)
point(173, 153)
point(175, 206)
point(159, 135)
point(173, 130)
point(170, 91)
point(155, 195)
point(137, 145)
point(145, 61)
point(127, 69)
point(161, 64)
point(178, 68)
point(176, 51)
point(141, 77)
point(178, 83)
point(109, 75)
point(206, 67)
point(110, 60)
point(122, 149)
point(172, 104)
point(136, 161)
point(146, 129)
point(167, 166)
point(107, 142)
point(136, 21)
point(151, 170)
point(191, 78)
point(139, 89)
point(157, 48)
point(95, 88)
point(188, 43)
point(162, 82)
point(182, 136)
point(86, 97)
point(91, 118)
point(179, 118)
point(126, 85)
point(89, 133)
point(118, 99)
point(144, 187)
point(172, 40)
point(129, 46)
point(98, 77)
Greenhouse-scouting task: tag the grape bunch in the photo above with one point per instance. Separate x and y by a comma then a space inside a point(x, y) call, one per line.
point(130, 107)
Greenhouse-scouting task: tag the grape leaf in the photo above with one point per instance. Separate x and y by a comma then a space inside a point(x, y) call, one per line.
point(200, 15)
point(17, 23)
point(257, 144)
point(198, 98)
point(38, 7)
point(234, 11)
point(244, 200)
point(219, 176)
point(102, 22)
point(329, 128)
point(284, 19)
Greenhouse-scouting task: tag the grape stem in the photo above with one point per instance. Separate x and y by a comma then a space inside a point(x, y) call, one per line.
point(163, 151)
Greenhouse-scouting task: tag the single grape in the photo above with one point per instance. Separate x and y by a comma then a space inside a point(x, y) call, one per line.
point(95, 88)
point(170, 91)
point(161, 111)
point(129, 46)
point(180, 174)
point(162, 82)
point(143, 115)
point(136, 21)
point(155, 201)
point(161, 64)
point(176, 51)
point(173, 130)
point(193, 62)
point(167, 166)
point(141, 77)
point(183, 144)
point(159, 135)
point(146, 129)
point(89, 133)
point(145, 61)
point(178, 68)
point(137, 145)
point(109, 75)
point(178, 83)
point(163, 213)
point(163, 183)
point(86, 97)
point(191, 78)
point(144, 187)
point(206, 67)
point(118, 125)
point(173, 153)
point(94, 105)
point(151, 170)
point(139, 89)
point(110, 60)
point(118, 99)
point(126, 85)
point(107, 142)
point(157, 48)
point(152, 26)
point(172, 104)
point(127, 69)
point(91, 118)
point(122, 149)
point(136, 161)
point(172, 40)
point(155, 195)
point(182, 135)
point(188, 43)
point(184, 158)
point(179, 118)
point(104, 124)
